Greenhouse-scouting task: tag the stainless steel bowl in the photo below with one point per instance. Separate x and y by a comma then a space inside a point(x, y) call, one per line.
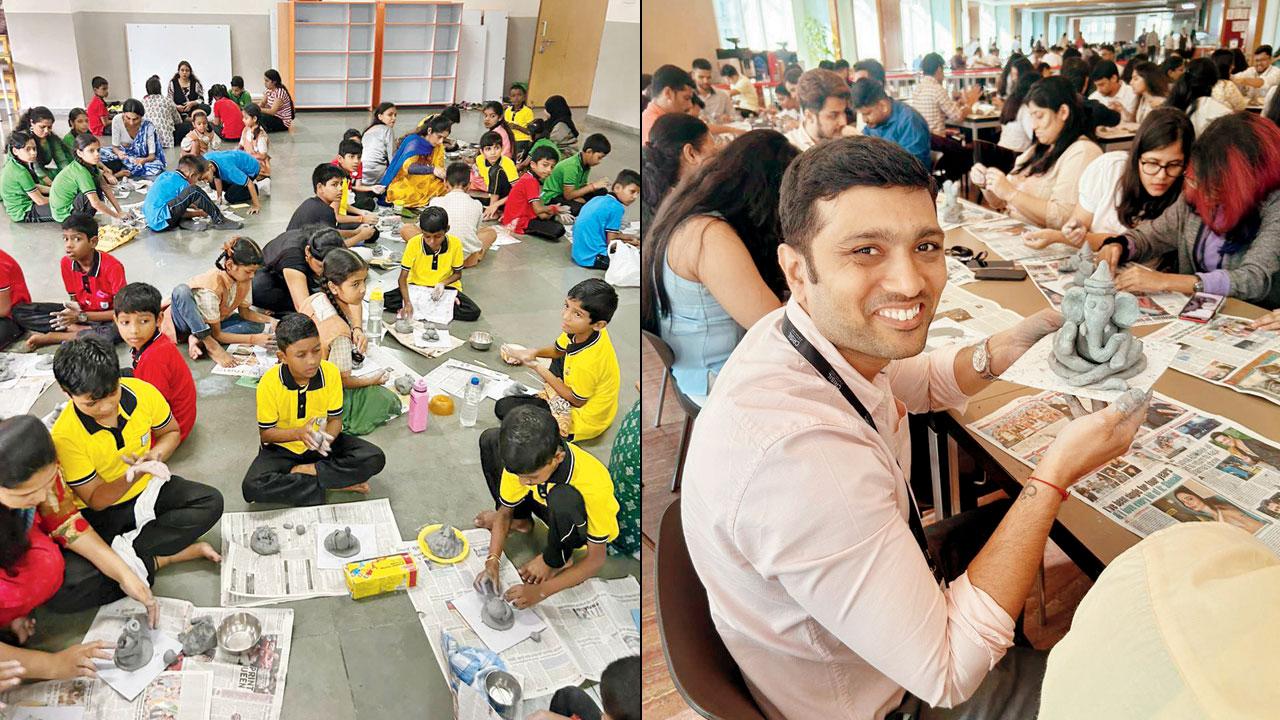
point(481, 340)
point(505, 683)
point(239, 633)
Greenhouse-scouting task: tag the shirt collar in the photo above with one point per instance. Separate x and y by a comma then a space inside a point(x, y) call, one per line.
point(128, 404)
point(138, 353)
point(93, 268)
point(576, 347)
point(563, 471)
point(286, 377)
point(872, 393)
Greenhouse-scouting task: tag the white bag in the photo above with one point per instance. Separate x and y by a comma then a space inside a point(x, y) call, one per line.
point(624, 265)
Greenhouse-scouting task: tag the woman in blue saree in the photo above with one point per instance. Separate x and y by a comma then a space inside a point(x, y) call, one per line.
point(135, 143)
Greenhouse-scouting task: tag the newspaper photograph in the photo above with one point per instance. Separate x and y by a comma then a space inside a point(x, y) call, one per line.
point(963, 317)
point(1053, 283)
point(1004, 238)
point(252, 361)
point(250, 580)
point(958, 273)
point(1225, 351)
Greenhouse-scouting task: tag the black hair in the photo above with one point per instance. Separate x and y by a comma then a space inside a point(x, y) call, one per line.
point(627, 177)
point(73, 115)
point(670, 76)
point(1072, 52)
point(1162, 126)
point(193, 79)
point(1104, 69)
point(741, 186)
point(861, 161)
point(87, 365)
point(543, 152)
point(558, 112)
point(1016, 95)
point(1262, 50)
point(1239, 62)
point(153, 85)
point(294, 327)
point(98, 81)
point(1195, 83)
point(1224, 61)
point(381, 108)
point(433, 219)
point(701, 64)
point(217, 90)
point(34, 115)
point(866, 92)
point(325, 172)
point(597, 297)
point(826, 65)
point(872, 68)
point(1157, 81)
point(597, 142)
point(489, 139)
point(83, 141)
point(137, 297)
point(726, 70)
point(660, 158)
point(240, 250)
point(274, 76)
point(436, 124)
point(18, 139)
point(350, 147)
point(1002, 85)
point(457, 173)
point(1171, 63)
point(237, 81)
point(816, 86)
point(620, 689)
point(496, 108)
point(528, 439)
point(1052, 93)
point(195, 163)
point(792, 75)
point(133, 105)
point(322, 240)
point(81, 223)
point(1076, 73)
point(1270, 112)
point(339, 265)
point(453, 113)
point(931, 64)
point(27, 447)
point(352, 134)
point(841, 64)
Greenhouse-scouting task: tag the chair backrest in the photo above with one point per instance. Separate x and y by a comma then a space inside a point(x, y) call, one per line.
point(701, 667)
point(661, 347)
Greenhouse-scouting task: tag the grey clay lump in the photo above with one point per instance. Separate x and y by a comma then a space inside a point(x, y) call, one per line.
point(134, 648)
point(199, 638)
point(444, 543)
point(404, 325)
point(341, 543)
point(264, 541)
point(404, 384)
point(497, 613)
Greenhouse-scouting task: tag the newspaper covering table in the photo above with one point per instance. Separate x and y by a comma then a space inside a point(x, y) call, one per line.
point(1053, 284)
point(196, 688)
point(970, 213)
point(1226, 352)
point(23, 379)
point(1032, 370)
point(249, 579)
point(1004, 238)
point(1185, 465)
point(589, 626)
point(962, 317)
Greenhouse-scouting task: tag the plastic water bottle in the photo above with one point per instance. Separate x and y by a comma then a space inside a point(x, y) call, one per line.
point(373, 323)
point(470, 404)
point(419, 405)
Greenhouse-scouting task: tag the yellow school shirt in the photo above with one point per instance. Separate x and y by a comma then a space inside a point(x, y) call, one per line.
point(508, 168)
point(591, 372)
point(87, 450)
point(523, 117)
point(429, 268)
point(283, 404)
point(586, 474)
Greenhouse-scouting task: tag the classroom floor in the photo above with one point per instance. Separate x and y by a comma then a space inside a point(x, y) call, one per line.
point(367, 659)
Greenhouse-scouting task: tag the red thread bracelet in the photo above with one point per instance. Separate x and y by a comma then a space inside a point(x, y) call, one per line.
point(1060, 491)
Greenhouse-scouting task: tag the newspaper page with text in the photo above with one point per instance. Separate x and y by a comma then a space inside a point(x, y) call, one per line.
point(1226, 352)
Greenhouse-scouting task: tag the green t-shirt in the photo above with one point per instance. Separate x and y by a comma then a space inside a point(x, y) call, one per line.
point(15, 183)
point(547, 142)
point(53, 148)
point(73, 180)
point(569, 171)
point(244, 99)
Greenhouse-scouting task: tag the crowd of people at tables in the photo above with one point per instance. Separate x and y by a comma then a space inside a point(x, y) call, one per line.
point(67, 492)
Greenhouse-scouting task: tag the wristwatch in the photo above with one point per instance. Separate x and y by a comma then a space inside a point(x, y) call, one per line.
point(1199, 286)
point(82, 317)
point(982, 360)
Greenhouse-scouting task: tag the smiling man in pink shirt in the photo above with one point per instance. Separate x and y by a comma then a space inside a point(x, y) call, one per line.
point(795, 504)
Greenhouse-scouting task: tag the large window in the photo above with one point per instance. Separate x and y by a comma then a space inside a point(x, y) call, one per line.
point(760, 25)
point(1098, 29)
point(926, 28)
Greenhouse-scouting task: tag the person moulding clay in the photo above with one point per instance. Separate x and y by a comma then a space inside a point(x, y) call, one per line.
point(134, 647)
point(341, 543)
point(1094, 346)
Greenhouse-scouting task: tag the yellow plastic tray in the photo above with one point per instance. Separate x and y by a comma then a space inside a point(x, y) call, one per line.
point(422, 545)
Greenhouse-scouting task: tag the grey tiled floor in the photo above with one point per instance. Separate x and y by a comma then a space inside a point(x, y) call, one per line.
point(368, 659)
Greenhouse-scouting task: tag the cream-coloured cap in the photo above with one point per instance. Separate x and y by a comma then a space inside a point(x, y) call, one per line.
point(1185, 624)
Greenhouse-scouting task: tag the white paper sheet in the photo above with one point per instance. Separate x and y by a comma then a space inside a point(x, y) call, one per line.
point(505, 239)
point(1032, 370)
point(366, 534)
point(527, 622)
point(454, 375)
point(131, 684)
point(257, 361)
point(435, 311)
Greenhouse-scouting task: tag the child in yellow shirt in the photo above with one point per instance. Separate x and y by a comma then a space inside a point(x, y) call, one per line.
point(432, 258)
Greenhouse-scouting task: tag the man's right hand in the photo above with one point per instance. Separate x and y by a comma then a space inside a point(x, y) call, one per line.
point(1092, 440)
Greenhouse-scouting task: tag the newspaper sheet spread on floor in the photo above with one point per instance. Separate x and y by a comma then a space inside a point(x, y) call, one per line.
point(250, 579)
point(23, 379)
point(962, 317)
point(589, 626)
point(1053, 283)
point(1226, 352)
point(1185, 465)
point(209, 686)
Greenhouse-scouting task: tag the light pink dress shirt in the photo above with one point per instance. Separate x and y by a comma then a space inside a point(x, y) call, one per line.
point(795, 512)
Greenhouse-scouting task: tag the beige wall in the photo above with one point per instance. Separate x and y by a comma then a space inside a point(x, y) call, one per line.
point(676, 32)
point(613, 95)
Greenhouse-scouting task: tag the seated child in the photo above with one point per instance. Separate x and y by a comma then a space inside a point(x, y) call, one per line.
point(559, 126)
point(82, 187)
point(213, 308)
point(238, 94)
point(567, 184)
point(109, 420)
point(584, 366)
point(175, 198)
point(99, 116)
point(600, 222)
point(227, 116)
point(201, 138)
point(491, 118)
point(254, 139)
point(355, 194)
point(495, 174)
point(524, 211)
point(518, 116)
point(235, 174)
point(432, 258)
point(91, 278)
point(530, 470)
point(464, 214)
point(297, 397)
point(19, 183)
point(155, 358)
point(78, 122)
point(619, 693)
point(13, 293)
point(321, 208)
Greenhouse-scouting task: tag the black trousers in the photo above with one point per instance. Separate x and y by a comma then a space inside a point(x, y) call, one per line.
point(565, 513)
point(521, 148)
point(574, 702)
point(192, 197)
point(546, 229)
point(9, 331)
point(39, 214)
point(507, 404)
point(270, 293)
point(271, 123)
point(575, 206)
point(466, 310)
point(236, 193)
point(365, 200)
point(601, 262)
point(185, 510)
point(351, 461)
point(81, 205)
point(956, 158)
point(37, 318)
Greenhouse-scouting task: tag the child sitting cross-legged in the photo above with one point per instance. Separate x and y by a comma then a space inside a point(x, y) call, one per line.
point(322, 207)
point(355, 194)
point(495, 174)
point(201, 138)
point(213, 308)
point(155, 358)
point(20, 183)
point(584, 366)
point(304, 451)
point(175, 199)
point(464, 214)
point(82, 187)
point(432, 258)
point(524, 211)
point(600, 222)
point(567, 184)
point(530, 470)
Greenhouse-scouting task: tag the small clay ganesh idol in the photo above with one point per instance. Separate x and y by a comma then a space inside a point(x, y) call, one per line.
point(1094, 345)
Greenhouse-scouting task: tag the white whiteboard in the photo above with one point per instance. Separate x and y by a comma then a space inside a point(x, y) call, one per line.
point(157, 49)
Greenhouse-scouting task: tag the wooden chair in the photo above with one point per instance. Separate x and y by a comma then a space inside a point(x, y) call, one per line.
point(689, 406)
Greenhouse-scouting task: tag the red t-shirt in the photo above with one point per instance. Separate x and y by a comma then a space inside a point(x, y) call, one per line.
point(98, 116)
point(94, 290)
point(356, 174)
point(160, 364)
point(228, 114)
point(12, 279)
point(519, 205)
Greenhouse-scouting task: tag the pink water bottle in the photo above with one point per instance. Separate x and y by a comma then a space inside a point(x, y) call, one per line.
point(419, 405)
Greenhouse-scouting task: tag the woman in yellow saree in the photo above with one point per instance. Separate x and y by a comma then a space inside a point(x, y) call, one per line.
point(416, 173)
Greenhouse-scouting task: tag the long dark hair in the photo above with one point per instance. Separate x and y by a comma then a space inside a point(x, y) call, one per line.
point(558, 112)
point(27, 447)
point(741, 187)
point(240, 250)
point(83, 141)
point(496, 106)
point(1157, 80)
point(34, 115)
point(1002, 85)
point(195, 81)
point(18, 139)
point(1272, 110)
point(1052, 93)
point(254, 112)
point(1163, 126)
point(1027, 76)
point(382, 107)
point(660, 159)
point(340, 264)
point(1196, 82)
point(274, 76)
point(1223, 60)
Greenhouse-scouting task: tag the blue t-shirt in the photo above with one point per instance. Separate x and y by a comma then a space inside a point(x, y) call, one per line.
point(167, 187)
point(234, 166)
point(908, 129)
point(590, 231)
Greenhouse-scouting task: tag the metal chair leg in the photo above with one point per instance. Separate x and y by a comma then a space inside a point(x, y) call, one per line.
point(1042, 614)
point(681, 453)
point(662, 397)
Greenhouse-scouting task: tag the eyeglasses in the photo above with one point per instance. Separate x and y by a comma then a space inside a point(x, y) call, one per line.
point(1152, 167)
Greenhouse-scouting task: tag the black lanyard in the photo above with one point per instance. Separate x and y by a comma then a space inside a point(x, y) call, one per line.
point(824, 369)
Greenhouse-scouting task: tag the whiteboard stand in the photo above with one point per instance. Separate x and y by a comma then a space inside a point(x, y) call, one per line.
point(156, 49)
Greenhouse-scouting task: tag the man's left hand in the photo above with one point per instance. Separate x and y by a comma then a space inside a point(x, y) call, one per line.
point(1009, 345)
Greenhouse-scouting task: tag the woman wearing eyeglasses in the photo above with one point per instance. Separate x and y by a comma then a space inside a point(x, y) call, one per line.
point(1120, 189)
point(1225, 228)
